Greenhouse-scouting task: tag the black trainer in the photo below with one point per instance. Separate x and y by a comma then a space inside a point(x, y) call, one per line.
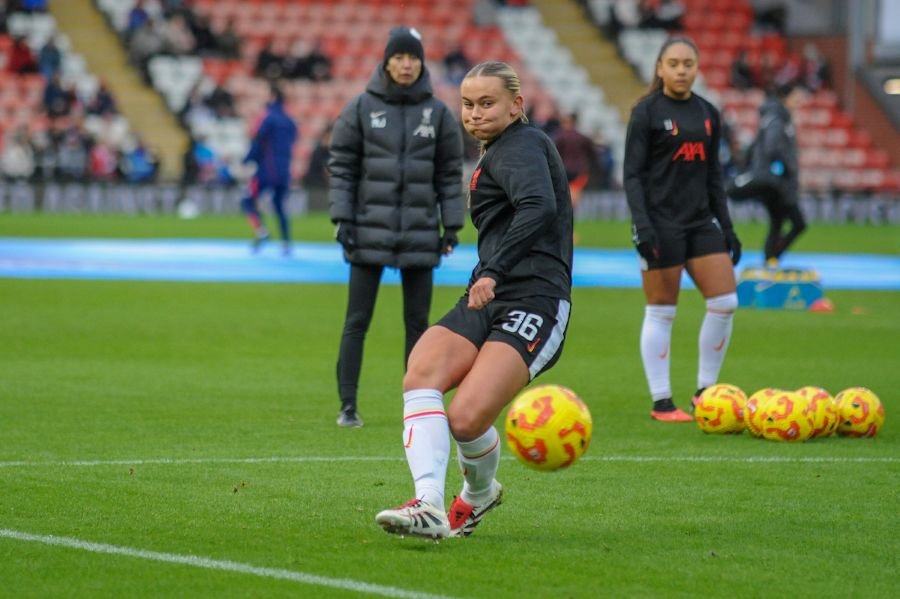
point(348, 418)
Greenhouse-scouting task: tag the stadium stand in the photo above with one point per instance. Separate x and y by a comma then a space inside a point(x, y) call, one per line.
point(56, 112)
point(350, 34)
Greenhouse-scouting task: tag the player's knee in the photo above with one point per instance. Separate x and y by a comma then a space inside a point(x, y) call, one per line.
point(723, 304)
point(465, 425)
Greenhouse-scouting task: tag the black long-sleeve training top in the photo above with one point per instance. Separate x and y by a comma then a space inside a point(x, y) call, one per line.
point(520, 205)
point(672, 174)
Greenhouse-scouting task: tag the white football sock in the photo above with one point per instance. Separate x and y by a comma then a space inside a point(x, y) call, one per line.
point(478, 461)
point(426, 438)
point(715, 333)
point(656, 337)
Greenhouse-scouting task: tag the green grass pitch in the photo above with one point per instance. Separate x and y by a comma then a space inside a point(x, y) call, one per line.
point(178, 439)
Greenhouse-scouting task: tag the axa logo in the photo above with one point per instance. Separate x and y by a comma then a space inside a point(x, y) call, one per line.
point(690, 151)
point(378, 119)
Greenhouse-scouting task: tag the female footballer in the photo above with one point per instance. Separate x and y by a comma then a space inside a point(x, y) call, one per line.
point(506, 329)
point(680, 219)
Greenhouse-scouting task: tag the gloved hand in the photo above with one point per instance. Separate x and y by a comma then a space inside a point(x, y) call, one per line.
point(777, 168)
point(449, 241)
point(646, 243)
point(345, 233)
point(734, 245)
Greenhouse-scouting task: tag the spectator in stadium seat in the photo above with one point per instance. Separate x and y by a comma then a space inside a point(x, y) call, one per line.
point(662, 14)
point(456, 65)
point(72, 156)
point(178, 36)
point(271, 151)
point(741, 76)
point(578, 155)
point(58, 98)
point(17, 159)
point(680, 220)
point(815, 72)
point(21, 59)
point(228, 43)
point(773, 176)
point(395, 196)
point(269, 63)
point(50, 59)
point(140, 164)
point(137, 17)
point(315, 181)
point(146, 42)
point(103, 101)
point(103, 161)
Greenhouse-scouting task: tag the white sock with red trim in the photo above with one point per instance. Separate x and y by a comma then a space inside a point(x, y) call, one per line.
point(426, 439)
point(715, 333)
point(478, 460)
point(656, 337)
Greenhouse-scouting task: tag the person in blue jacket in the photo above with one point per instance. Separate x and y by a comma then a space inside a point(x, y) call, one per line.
point(271, 150)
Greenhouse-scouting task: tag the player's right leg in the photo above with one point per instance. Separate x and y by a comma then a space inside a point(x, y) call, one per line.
point(251, 211)
point(439, 360)
point(661, 287)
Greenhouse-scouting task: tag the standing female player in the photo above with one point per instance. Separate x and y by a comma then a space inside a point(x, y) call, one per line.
point(506, 329)
point(680, 219)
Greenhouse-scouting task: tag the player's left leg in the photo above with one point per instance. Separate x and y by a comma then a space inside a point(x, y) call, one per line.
point(498, 374)
point(527, 339)
point(714, 276)
point(798, 225)
point(279, 195)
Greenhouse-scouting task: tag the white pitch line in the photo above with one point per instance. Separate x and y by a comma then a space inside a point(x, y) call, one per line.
point(331, 459)
point(221, 565)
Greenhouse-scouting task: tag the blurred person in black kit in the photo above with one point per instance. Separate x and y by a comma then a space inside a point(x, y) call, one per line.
point(506, 329)
point(773, 173)
point(674, 188)
point(395, 196)
point(578, 155)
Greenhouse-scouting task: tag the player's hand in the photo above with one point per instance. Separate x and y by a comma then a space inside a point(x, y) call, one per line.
point(481, 293)
point(345, 233)
point(646, 243)
point(734, 245)
point(449, 241)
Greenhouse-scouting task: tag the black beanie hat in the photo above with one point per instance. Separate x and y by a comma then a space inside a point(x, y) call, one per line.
point(404, 40)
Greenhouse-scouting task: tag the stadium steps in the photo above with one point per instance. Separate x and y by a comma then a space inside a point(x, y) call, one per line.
point(594, 52)
point(143, 108)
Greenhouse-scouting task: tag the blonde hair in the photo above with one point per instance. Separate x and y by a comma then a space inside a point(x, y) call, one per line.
point(504, 72)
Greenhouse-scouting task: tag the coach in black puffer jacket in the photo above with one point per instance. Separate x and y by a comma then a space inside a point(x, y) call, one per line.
point(395, 196)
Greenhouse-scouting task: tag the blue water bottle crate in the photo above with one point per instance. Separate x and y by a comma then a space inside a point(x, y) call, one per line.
point(780, 289)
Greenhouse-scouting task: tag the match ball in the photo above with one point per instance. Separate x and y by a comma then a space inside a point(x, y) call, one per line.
point(860, 413)
point(785, 417)
point(548, 427)
point(822, 409)
point(720, 409)
point(753, 409)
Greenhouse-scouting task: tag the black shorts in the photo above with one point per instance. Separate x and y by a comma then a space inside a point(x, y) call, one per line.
point(677, 246)
point(534, 326)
